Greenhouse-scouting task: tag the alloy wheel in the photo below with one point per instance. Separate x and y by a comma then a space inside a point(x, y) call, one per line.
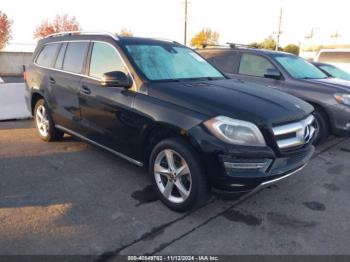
point(173, 176)
point(42, 121)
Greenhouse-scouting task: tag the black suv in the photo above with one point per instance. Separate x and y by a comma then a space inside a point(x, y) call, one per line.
point(159, 104)
point(294, 75)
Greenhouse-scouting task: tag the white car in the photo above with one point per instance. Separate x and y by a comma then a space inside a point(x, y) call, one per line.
point(337, 57)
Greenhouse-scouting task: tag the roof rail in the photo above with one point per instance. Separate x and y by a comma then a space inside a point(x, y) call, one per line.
point(235, 45)
point(114, 36)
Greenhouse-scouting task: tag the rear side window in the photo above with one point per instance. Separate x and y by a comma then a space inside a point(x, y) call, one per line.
point(60, 57)
point(334, 57)
point(74, 58)
point(254, 65)
point(47, 55)
point(104, 58)
point(225, 62)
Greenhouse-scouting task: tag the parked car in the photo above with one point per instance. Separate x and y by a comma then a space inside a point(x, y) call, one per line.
point(160, 105)
point(294, 75)
point(332, 71)
point(337, 57)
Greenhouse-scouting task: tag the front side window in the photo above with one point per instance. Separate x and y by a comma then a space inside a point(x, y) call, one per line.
point(75, 55)
point(335, 72)
point(254, 65)
point(170, 62)
point(299, 68)
point(104, 58)
point(47, 55)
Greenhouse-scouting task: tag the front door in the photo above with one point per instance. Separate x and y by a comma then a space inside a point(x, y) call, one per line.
point(106, 112)
point(252, 68)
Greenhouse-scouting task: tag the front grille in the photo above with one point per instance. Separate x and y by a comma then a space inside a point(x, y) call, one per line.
point(294, 134)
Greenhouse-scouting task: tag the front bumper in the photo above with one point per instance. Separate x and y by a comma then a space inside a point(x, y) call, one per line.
point(239, 169)
point(340, 119)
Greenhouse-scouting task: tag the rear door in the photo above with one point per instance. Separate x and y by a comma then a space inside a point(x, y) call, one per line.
point(65, 83)
point(107, 114)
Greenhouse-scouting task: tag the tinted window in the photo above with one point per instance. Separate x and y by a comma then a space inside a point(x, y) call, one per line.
point(47, 55)
point(60, 56)
point(104, 58)
point(334, 57)
point(225, 62)
point(254, 65)
point(74, 58)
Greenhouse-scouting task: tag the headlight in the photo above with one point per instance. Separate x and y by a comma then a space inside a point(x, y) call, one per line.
point(235, 131)
point(343, 99)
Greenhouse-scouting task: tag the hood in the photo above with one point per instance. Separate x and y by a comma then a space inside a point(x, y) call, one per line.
point(335, 85)
point(233, 98)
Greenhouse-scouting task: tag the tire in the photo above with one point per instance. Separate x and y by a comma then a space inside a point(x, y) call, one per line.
point(191, 180)
point(44, 123)
point(322, 125)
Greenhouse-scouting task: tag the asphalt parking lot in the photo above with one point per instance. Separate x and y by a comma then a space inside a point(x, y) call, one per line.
point(72, 198)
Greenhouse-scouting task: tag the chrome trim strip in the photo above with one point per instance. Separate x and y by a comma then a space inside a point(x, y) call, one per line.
point(270, 182)
point(299, 128)
point(99, 145)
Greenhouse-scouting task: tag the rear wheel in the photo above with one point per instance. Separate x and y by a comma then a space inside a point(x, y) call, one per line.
point(44, 123)
point(322, 126)
point(177, 175)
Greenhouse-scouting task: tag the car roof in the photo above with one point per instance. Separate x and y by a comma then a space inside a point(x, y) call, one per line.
point(76, 36)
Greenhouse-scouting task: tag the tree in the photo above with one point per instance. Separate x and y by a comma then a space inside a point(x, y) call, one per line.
point(205, 37)
point(291, 48)
point(59, 24)
point(125, 32)
point(5, 30)
point(268, 43)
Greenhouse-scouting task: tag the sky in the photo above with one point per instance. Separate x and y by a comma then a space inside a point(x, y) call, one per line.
point(242, 21)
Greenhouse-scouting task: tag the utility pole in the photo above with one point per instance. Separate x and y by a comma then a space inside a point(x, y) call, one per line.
point(279, 32)
point(185, 31)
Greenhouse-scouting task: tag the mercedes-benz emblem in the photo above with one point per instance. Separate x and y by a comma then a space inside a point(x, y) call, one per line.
point(307, 132)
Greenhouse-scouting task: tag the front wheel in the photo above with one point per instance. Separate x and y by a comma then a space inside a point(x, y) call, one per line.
point(177, 175)
point(44, 123)
point(322, 127)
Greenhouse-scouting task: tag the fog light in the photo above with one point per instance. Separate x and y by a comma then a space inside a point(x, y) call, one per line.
point(254, 164)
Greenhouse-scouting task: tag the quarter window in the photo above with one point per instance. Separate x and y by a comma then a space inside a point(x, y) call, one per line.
point(47, 55)
point(225, 62)
point(104, 58)
point(254, 65)
point(75, 55)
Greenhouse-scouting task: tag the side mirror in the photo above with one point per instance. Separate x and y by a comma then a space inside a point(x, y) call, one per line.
point(272, 73)
point(116, 79)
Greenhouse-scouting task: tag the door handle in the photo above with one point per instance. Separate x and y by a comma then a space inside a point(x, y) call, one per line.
point(52, 81)
point(85, 90)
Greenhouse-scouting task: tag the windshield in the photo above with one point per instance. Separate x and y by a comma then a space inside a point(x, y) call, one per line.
point(168, 62)
point(299, 68)
point(336, 72)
